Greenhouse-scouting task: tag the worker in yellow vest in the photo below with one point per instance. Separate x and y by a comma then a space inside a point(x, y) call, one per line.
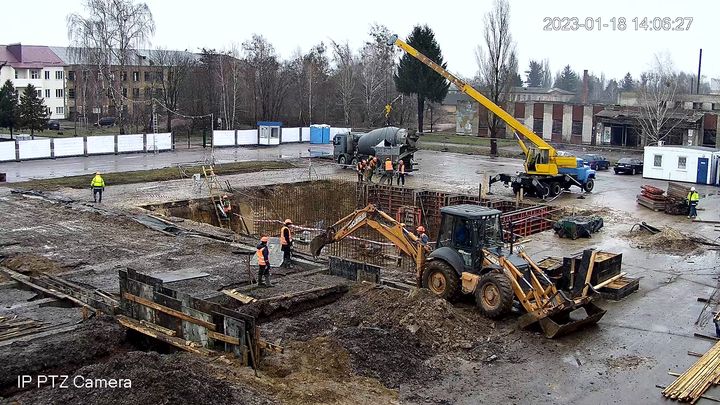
point(692, 199)
point(286, 242)
point(263, 256)
point(97, 185)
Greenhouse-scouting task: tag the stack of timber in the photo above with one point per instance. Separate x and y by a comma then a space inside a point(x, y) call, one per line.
point(14, 327)
point(676, 196)
point(693, 383)
point(652, 198)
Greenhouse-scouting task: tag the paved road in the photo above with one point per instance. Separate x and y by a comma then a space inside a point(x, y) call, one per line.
point(72, 166)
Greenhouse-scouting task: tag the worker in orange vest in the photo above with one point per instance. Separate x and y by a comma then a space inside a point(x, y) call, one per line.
point(286, 242)
point(388, 173)
point(401, 172)
point(225, 206)
point(370, 170)
point(360, 170)
point(263, 256)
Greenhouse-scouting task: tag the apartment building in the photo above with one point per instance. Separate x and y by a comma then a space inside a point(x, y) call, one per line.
point(39, 66)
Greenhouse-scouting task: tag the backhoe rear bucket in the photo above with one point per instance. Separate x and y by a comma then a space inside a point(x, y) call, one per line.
point(565, 321)
point(317, 243)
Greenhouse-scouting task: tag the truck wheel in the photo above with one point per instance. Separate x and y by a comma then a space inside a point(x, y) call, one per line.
point(543, 191)
point(589, 185)
point(342, 160)
point(555, 189)
point(441, 279)
point(493, 295)
point(354, 162)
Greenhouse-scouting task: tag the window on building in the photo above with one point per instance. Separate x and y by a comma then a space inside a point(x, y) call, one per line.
point(159, 76)
point(556, 126)
point(577, 127)
point(60, 110)
point(71, 109)
point(716, 106)
point(59, 93)
point(59, 74)
point(39, 93)
point(657, 161)
point(47, 93)
point(47, 111)
point(538, 125)
point(682, 162)
point(147, 76)
point(16, 75)
point(47, 75)
point(124, 92)
point(71, 93)
point(136, 76)
point(148, 92)
point(697, 106)
point(71, 75)
point(34, 74)
point(136, 92)
point(123, 76)
point(709, 136)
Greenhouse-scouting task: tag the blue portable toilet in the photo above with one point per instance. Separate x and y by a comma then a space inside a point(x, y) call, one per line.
point(319, 133)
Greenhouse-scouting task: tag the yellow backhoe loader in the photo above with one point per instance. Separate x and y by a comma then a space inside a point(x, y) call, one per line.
point(469, 258)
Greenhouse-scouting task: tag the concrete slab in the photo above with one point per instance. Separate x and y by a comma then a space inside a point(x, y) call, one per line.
point(171, 276)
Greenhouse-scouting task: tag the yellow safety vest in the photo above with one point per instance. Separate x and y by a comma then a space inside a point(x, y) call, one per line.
point(693, 196)
point(97, 181)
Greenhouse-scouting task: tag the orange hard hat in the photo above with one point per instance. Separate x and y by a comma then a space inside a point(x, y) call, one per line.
point(264, 239)
point(421, 228)
point(288, 221)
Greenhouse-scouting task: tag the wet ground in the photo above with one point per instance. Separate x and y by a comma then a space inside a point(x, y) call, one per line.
point(621, 360)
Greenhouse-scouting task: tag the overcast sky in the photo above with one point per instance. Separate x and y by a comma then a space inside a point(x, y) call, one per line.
point(458, 26)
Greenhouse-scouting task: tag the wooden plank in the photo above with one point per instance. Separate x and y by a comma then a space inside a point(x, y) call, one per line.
point(223, 338)
point(39, 334)
point(245, 299)
point(270, 346)
point(704, 336)
point(169, 311)
point(25, 280)
point(158, 328)
point(177, 342)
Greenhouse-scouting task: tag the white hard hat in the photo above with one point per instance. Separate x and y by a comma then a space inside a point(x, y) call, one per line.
point(692, 188)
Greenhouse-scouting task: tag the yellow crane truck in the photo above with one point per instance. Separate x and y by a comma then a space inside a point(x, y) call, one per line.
point(546, 173)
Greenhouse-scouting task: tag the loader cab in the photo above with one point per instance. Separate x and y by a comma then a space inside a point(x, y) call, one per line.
point(467, 229)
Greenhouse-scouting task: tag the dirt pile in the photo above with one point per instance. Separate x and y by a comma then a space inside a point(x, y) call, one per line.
point(29, 263)
point(668, 240)
point(61, 353)
point(155, 379)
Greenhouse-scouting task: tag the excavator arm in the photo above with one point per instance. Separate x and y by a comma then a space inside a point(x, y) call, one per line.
point(373, 218)
point(542, 160)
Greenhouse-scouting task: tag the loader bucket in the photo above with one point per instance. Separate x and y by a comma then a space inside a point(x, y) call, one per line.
point(566, 321)
point(317, 243)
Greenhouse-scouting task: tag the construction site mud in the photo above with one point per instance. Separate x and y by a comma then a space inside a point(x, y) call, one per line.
point(358, 343)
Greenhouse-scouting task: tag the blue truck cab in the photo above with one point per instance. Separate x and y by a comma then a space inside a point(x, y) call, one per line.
point(583, 174)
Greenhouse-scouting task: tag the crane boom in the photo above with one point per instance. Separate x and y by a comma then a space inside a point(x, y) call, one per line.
point(472, 92)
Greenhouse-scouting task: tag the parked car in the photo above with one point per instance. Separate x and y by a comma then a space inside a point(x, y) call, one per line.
point(53, 125)
point(105, 122)
point(629, 165)
point(596, 162)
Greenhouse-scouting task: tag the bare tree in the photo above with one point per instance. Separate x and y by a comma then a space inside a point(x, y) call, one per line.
point(377, 63)
point(267, 76)
point(497, 64)
point(345, 76)
point(107, 38)
point(176, 67)
point(657, 98)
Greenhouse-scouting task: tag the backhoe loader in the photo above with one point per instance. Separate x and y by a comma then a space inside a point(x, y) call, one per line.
point(469, 258)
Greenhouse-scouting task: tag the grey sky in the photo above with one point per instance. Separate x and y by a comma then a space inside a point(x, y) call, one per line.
point(290, 25)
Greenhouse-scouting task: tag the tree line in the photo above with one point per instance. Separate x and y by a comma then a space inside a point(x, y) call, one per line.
point(22, 111)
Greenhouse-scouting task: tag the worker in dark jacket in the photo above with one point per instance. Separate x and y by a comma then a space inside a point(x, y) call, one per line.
point(286, 242)
point(97, 185)
point(360, 170)
point(263, 256)
point(401, 172)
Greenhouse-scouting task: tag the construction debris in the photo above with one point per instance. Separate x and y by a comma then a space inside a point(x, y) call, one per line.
point(652, 198)
point(693, 383)
point(574, 227)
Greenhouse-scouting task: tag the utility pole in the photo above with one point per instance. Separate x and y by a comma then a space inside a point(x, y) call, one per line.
point(697, 88)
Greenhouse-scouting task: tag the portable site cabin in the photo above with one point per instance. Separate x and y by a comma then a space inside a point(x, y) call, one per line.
point(690, 164)
point(269, 132)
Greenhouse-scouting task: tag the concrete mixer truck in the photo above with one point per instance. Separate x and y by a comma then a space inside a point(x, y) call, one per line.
point(393, 142)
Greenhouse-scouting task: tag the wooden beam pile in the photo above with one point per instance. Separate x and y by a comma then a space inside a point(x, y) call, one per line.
point(693, 383)
point(652, 197)
point(13, 327)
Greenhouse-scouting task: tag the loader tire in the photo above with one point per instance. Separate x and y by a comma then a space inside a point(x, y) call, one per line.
point(441, 279)
point(494, 295)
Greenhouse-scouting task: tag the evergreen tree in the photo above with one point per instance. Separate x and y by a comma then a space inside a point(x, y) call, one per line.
point(534, 74)
point(413, 77)
point(32, 111)
point(517, 81)
point(567, 80)
point(627, 83)
point(8, 107)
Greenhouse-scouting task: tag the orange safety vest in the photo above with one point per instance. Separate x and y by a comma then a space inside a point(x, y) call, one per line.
point(261, 258)
point(388, 165)
point(283, 241)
